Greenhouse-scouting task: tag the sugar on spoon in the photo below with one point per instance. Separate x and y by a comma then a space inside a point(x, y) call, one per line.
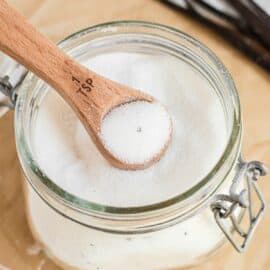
point(130, 128)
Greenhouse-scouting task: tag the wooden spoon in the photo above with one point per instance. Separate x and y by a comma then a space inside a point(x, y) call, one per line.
point(90, 95)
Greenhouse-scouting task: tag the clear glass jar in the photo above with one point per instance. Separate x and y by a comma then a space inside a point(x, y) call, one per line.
point(80, 234)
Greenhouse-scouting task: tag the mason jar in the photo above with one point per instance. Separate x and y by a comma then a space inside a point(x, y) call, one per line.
point(178, 232)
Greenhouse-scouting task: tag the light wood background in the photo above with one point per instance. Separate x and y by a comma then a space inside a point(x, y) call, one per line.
point(58, 18)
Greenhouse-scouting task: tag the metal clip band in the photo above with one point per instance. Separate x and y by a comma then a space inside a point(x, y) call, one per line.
point(224, 206)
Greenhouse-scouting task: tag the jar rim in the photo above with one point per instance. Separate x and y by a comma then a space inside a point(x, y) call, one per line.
point(40, 181)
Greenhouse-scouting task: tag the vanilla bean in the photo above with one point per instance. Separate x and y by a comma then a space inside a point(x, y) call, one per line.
point(254, 16)
point(175, 5)
point(221, 14)
point(242, 41)
point(247, 44)
point(237, 21)
point(260, 11)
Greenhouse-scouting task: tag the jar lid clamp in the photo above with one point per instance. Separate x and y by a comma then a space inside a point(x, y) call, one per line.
point(9, 91)
point(224, 206)
point(11, 76)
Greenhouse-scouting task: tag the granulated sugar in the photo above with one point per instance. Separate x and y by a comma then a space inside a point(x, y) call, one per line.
point(136, 132)
point(65, 152)
point(67, 155)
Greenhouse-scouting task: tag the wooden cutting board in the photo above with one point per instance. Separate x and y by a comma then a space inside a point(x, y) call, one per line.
point(58, 18)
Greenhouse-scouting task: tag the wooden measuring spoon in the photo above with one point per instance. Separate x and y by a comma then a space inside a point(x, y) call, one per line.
point(90, 95)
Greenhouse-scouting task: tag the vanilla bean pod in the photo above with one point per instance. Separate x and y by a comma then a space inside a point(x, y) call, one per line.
point(260, 11)
point(229, 21)
point(246, 43)
point(209, 12)
point(255, 17)
point(240, 24)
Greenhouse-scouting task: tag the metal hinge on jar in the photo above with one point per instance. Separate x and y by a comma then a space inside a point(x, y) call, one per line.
point(9, 91)
point(9, 84)
point(227, 207)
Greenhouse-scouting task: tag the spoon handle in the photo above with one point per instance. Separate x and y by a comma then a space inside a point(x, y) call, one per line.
point(20, 40)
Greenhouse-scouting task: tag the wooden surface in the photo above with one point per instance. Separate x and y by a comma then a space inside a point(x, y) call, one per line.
point(58, 18)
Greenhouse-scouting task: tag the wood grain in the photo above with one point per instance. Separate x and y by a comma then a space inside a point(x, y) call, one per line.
point(60, 18)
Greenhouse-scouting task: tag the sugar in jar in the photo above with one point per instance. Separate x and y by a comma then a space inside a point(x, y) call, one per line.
point(89, 215)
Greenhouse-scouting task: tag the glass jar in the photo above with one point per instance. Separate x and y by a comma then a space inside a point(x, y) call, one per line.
point(175, 233)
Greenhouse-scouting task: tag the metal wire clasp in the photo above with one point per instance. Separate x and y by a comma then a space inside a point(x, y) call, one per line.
point(225, 206)
point(9, 83)
point(8, 90)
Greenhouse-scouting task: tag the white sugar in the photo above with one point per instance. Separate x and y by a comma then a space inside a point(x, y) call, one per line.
point(68, 156)
point(146, 125)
